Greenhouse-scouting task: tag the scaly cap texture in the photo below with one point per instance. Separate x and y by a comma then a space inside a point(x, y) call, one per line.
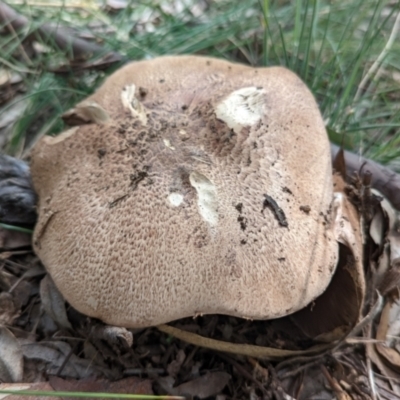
point(192, 186)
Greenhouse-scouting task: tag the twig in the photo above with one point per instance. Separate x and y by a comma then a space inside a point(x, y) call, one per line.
point(384, 179)
point(260, 352)
point(332, 382)
point(371, 379)
point(243, 371)
point(301, 368)
point(366, 321)
point(391, 393)
point(79, 48)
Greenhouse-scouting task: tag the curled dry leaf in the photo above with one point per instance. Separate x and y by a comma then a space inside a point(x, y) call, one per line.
point(393, 233)
point(385, 355)
point(53, 302)
point(338, 309)
point(388, 331)
point(384, 369)
point(9, 308)
point(11, 358)
point(385, 232)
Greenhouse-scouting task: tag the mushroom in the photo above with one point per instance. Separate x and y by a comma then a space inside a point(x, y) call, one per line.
point(191, 186)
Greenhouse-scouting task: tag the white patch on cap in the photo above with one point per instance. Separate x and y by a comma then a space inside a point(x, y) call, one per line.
point(243, 107)
point(207, 197)
point(175, 199)
point(130, 102)
point(168, 144)
point(92, 302)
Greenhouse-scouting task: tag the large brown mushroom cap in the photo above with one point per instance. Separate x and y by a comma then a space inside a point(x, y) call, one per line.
point(197, 186)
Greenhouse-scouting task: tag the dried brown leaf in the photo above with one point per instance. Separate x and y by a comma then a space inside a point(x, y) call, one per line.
point(175, 365)
point(383, 368)
point(388, 329)
point(10, 239)
point(131, 385)
point(51, 356)
point(53, 302)
point(390, 356)
point(9, 308)
point(39, 386)
point(333, 314)
point(394, 231)
point(11, 359)
point(205, 386)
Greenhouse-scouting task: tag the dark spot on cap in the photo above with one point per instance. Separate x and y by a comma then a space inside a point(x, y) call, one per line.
point(305, 209)
point(143, 91)
point(101, 153)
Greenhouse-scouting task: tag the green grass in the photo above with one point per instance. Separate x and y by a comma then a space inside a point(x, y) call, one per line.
point(332, 45)
point(89, 395)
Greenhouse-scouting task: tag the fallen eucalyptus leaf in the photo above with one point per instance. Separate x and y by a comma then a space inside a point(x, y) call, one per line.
point(11, 359)
point(57, 354)
point(388, 330)
point(394, 232)
point(9, 308)
point(53, 302)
